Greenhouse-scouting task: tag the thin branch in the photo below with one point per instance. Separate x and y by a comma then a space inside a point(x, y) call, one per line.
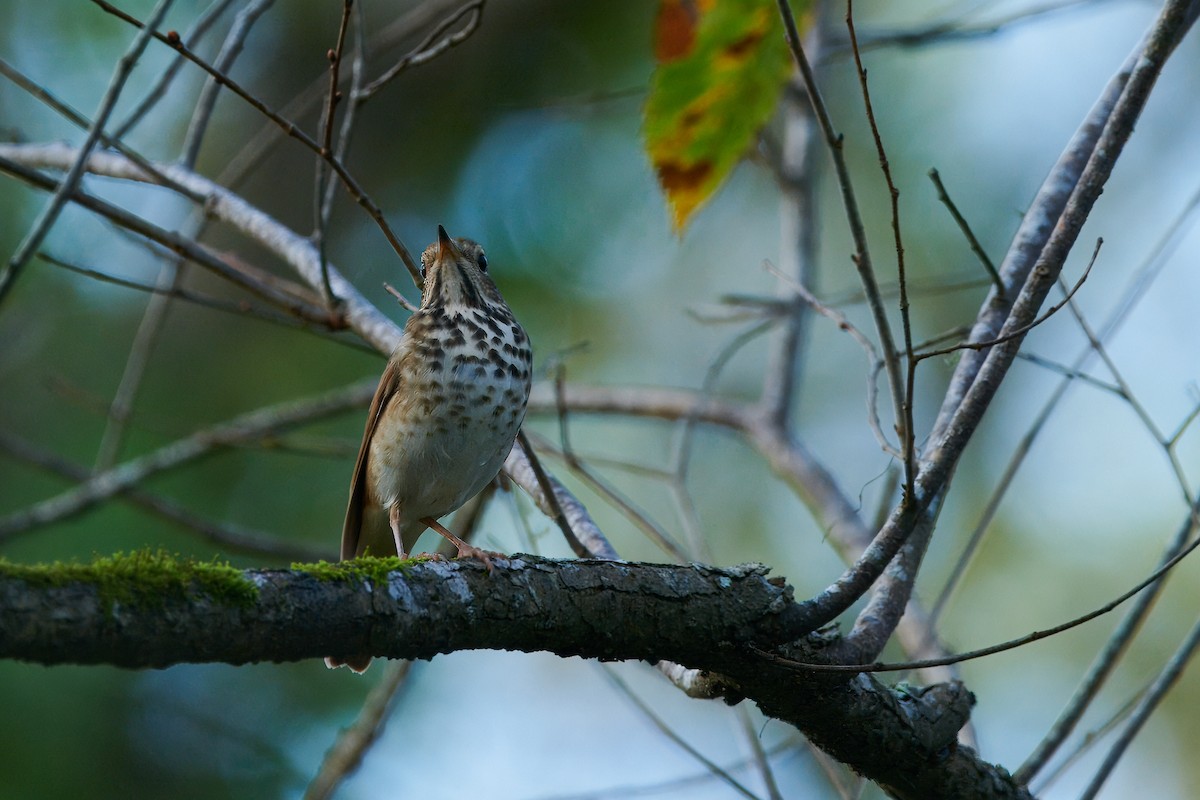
point(179, 244)
point(698, 549)
point(192, 37)
point(1023, 329)
point(1158, 690)
point(1131, 399)
point(313, 95)
point(231, 538)
point(1043, 243)
point(231, 48)
point(221, 204)
point(874, 362)
point(323, 194)
point(404, 302)
point(1107, 659)
point(653, 531)
point(556, 510)
point(684, 784)
point(665, 729)
point(518, 467)
point(762, 761)
point(1052, 222)
point(1141, 279)
point(908, 446)
point(353, 187)
point(240, 308)
point(77, 119)
point(352, 744)
point(969, 234)
point(130, 474)
point(958, 29)
point(970, 655)
point(862, 258)
point(1090, 740)
point(58, 200)
point(432, 46)
point(173, 269)
point(335, 63)
point(796, 173)
point(1191, 417)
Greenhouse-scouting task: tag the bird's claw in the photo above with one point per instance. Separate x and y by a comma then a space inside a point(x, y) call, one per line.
point(486, 556)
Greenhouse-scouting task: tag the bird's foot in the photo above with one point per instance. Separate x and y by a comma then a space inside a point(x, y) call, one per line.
point(471, 551)
point(465, 550)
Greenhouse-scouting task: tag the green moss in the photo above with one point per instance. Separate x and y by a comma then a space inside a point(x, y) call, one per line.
point(359, 569)
point(143, 578)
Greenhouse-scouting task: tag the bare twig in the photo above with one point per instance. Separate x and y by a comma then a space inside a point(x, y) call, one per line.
point(192, 37)
point(432, 46)
point(233, 538)
point(314, 94)
point(908, 446)
point(965, 227)
point(1128, 395)
point(80, 121)
point(1138, 283)
point(173, 269)
point(862, 258)
point(404, 302)
point(290, 128)
point(179, 244)
point(1158, 690)
point(221, 204)
point(240, 308)
point(556, 510)
point(129, 474)
point(323, 194)
point(352, 744)
point(958, 29)
point(762, 761)
point(1153, 578)
point(666, 730)
point(698, 549)
point(1107, 659)
point(798, 233)
point(1024, 329)
point(518, 467)
point(654, 532)
point(874, 362)
point(231, 48)
point(49, 213)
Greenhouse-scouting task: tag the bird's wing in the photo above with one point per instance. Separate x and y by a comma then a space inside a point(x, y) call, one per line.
point(358, 485)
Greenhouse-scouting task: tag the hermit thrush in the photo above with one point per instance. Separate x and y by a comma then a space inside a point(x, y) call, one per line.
point(446, 412)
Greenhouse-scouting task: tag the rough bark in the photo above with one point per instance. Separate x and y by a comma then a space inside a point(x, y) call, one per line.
point(708, 618)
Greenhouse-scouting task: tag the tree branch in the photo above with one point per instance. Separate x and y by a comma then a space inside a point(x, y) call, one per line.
point(152, 611)
point(147, 610)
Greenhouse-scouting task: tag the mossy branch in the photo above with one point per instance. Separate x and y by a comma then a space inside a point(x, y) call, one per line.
point(153, 610)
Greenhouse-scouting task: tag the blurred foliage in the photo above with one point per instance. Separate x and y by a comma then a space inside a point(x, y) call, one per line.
point(721, 67)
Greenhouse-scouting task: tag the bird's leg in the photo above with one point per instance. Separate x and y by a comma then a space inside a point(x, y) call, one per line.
point(394, 521)
point(464, 550)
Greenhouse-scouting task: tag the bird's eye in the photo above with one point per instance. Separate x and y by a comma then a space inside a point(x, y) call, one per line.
point(482, 261)
point(422, 271)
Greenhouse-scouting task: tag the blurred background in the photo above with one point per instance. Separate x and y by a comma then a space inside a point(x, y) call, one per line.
point(526, 137)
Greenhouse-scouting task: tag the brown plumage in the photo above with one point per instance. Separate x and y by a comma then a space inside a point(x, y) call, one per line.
point(446, 412)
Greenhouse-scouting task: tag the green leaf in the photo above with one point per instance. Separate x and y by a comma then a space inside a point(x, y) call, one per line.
point(722, 64)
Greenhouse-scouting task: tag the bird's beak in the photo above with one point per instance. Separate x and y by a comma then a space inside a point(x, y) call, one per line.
point(446, 246)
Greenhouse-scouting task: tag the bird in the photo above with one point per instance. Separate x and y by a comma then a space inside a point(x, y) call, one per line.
point(445, 414)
